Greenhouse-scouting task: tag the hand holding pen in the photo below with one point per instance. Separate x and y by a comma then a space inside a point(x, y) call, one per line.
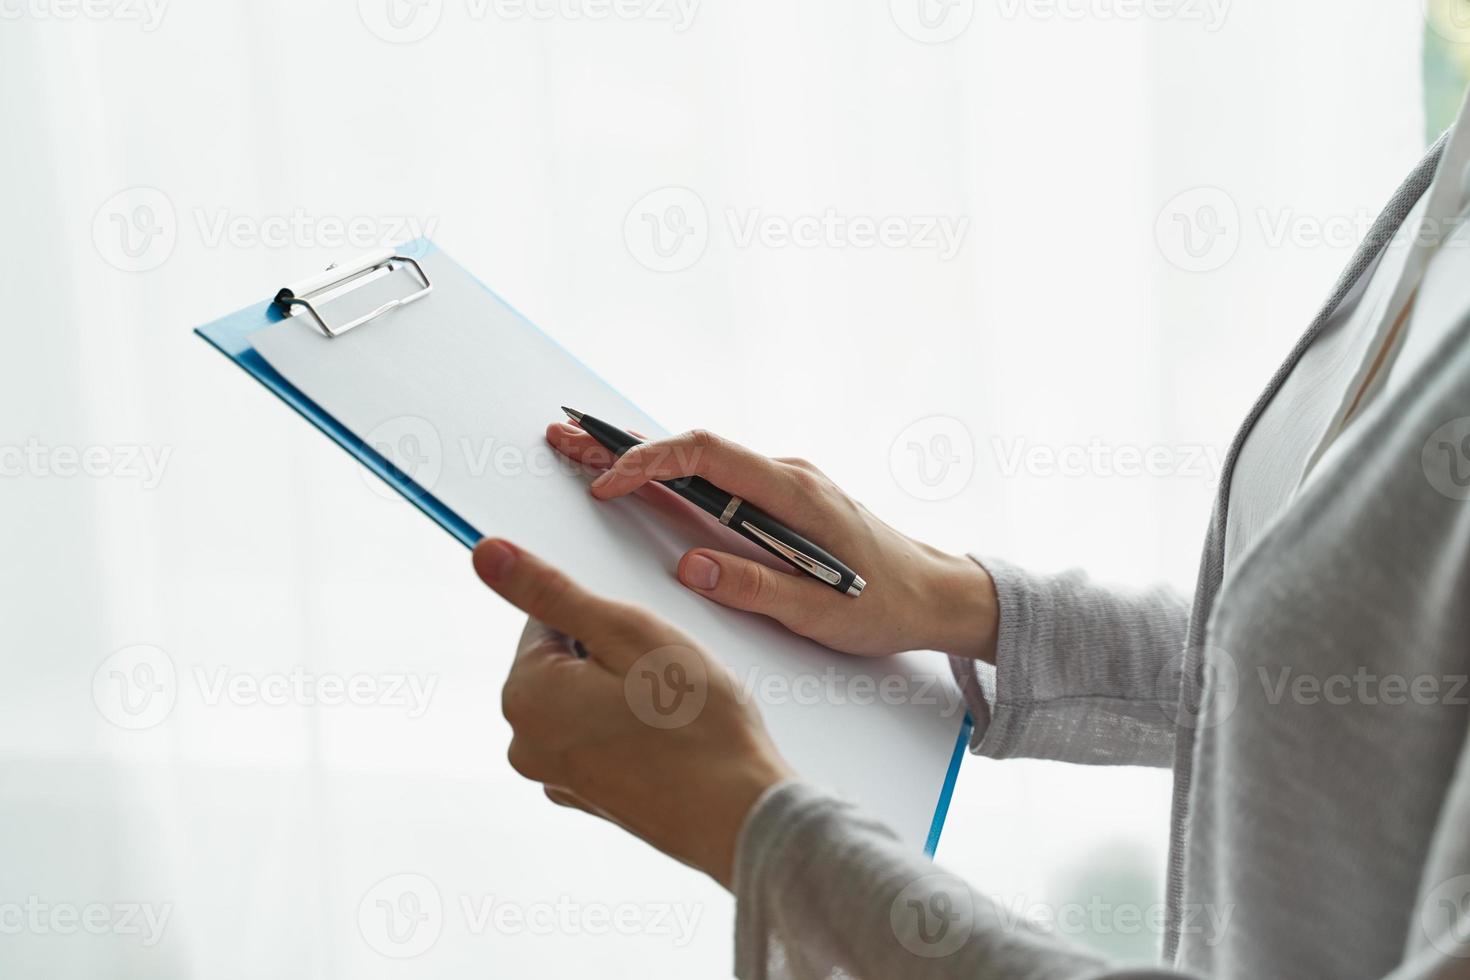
point(739, 515)
point(917, 597)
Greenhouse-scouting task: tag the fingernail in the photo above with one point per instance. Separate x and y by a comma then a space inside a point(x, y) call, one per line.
point(701, 572)
point(495, 560)
point(603, 479)
point(567, 429)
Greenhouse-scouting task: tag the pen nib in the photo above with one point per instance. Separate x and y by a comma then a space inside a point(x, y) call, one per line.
point(572, 414)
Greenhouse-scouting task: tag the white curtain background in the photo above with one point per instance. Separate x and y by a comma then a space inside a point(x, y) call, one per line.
point(166, 165)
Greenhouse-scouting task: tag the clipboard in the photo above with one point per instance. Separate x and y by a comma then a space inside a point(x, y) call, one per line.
point(363, 295)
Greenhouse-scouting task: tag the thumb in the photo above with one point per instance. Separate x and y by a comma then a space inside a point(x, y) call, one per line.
point(744, 584)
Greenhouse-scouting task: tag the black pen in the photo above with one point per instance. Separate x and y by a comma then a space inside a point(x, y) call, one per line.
point(736, 514)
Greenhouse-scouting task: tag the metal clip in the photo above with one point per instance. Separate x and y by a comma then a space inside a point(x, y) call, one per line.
point(300, 295)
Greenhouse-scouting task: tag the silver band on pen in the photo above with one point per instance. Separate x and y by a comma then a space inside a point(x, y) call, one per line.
point(730, 510)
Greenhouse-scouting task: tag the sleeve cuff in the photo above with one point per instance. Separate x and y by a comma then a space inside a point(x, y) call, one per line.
point(1013, 719)
point(784, 845)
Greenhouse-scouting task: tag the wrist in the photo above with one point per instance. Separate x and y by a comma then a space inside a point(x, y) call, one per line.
point(739, 792)
point(964, 610)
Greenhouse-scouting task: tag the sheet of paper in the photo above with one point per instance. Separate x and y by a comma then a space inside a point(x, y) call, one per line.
point(457, 390)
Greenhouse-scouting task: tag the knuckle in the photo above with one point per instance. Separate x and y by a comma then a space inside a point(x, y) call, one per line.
point(639, 618)
point(701, 438)
point(633, 460)
point(808, 481)
point(632, 622)
point(522, 759)
point(702, 443)
point(756, 587)
point(548, 590)
point(515, 703)
point(559, 797)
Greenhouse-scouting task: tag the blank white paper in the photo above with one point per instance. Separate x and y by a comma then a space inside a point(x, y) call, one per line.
point(457, 390)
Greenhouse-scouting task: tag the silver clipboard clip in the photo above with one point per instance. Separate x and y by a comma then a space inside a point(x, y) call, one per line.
point(337, 279)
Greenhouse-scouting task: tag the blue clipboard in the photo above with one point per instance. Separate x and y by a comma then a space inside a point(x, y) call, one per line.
point(230, 335)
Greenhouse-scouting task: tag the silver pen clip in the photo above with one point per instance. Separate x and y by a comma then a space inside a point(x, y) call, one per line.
point(804, 562)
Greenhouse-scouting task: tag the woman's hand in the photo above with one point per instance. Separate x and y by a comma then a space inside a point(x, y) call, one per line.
point(646, 730)
point(917, 598)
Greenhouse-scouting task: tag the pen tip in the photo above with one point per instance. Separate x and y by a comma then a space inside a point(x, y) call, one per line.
point(572, 414)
